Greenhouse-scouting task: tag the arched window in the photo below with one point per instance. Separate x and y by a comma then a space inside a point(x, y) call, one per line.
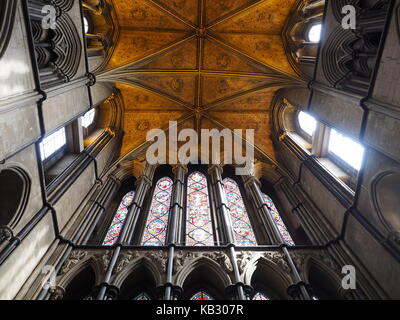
point(88, 118)
point(142, 296)
point(52, 143)
point(314, 34)
point(260, 296)
point(346, 149)
point(243, 232)
point(157, 221)
point(86, 24)
point(199, 229)
point(119, 219)
point(307, 123)
point(201, 295)
point(278, 220)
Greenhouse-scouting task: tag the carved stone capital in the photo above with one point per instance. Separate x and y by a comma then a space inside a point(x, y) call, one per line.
point(5, 233)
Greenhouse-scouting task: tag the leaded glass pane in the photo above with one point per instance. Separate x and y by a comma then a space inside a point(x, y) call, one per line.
point(201, 295)
point(199, 231)
point(243, 232)
point(142, 296)
point(157, 221)
point(119, 220)
point(278, 220)
point(260, 296)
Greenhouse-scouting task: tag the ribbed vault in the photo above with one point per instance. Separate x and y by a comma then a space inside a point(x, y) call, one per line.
point(205, 63)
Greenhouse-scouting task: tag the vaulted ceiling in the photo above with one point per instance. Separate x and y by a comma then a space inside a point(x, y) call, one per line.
point(204, 63)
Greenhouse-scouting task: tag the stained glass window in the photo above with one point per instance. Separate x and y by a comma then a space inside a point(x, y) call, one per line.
point(278, 220)
point(199, 231)
point(260, 296)
point(119, 220)
point(157, 221)
point(142, 296)
point(201, 295)
point(243, 232)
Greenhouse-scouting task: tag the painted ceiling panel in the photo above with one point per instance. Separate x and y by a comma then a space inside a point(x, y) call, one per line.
point(217, 88)
point(217, 57)
point(267, 17)
point(215, 10)
point(136, 44)
point(181, 87)
point(186, 9)
point(137, 99)
point(141, 14)
point(268, 50)
point(182, 57)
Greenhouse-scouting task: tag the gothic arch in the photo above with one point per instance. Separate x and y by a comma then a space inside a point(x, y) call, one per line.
point(269, 276)
point(141, 275)
point(87, 265)
point(325, 282)
point(214, 279)
point(132, 269)
point(384, 198)
point(15, 187)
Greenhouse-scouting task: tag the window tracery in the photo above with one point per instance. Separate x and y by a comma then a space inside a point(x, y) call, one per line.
point(242, 229)
point(118, 222)
point(157, 221)
point(199, 229)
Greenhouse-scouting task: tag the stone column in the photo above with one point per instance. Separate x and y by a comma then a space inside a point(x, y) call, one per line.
point(222, 209)
point(143, 185)
point(253, 186)
point(174, 236)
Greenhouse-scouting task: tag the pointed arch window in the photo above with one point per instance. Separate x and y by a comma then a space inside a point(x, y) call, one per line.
point(260, 296)
point(314, 33)
point(201, 295)
point(278, 220)
point(118, 222)
point(242, 229)
point(199, 229)
point(142, 297)
point(157, 221)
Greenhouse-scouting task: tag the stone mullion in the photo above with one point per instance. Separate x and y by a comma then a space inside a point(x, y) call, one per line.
point(215, 172)
point(143, 185)
point(175, 236)
point(176, 219)
point(222, 210)
point(253, 186)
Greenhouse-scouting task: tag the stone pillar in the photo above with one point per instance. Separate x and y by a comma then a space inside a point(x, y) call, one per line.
point(174, 236)
point(222, 209)
point(253, 186)
point(143, 185)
